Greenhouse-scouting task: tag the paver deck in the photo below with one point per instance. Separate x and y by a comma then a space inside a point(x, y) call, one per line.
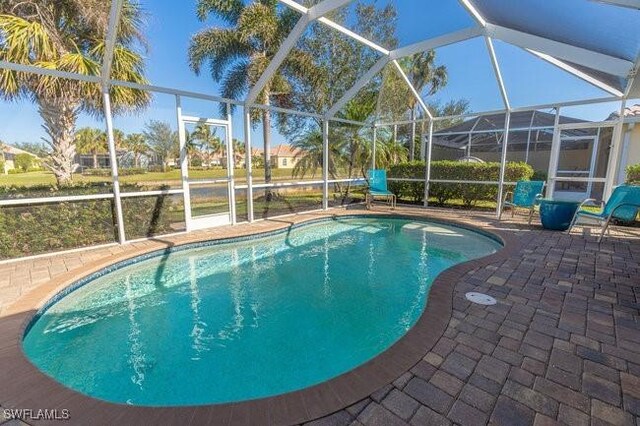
point(561, 346)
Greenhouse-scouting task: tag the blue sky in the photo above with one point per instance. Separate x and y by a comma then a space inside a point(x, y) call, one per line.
point(529, 80)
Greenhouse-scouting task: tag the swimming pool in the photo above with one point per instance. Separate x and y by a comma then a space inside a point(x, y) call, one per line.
point(252, 318)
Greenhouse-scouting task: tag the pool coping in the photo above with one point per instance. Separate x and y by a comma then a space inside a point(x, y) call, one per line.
point(27, 387)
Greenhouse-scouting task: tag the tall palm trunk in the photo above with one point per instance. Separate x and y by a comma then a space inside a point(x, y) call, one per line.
point(59, 118)
point(95, 159)
point(266, 132)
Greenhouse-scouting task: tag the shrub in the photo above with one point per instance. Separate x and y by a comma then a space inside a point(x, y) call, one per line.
point(633, 174)
point(539, 175)
point(39, 228)
point(2, 163)
point(470, 194)
point(122, 172)
point(24, 162)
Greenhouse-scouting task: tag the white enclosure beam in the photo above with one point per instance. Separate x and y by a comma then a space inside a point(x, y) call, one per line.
point(576, 72)
point(325, 164)
point(49, 72)
point(248, 164)
point(577, 55)
point(553, 158)
point(503, 163)
point(231, 165)
point(436, 42)
point(496, 70)
point(311, 14)
point(362, 81)
point(475, 13)
point(110, 41)
point(293, 4)
point(300, 8)
point(413, 89)
point(427, 165)
point(353, 35)
point(113, 159)
point(615, 153)
point(631, 4)
point(327, 6)
point(184, 163)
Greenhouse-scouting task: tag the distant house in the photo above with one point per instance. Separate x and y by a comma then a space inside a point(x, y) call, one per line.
point(630, 139)
point(85, 161)
point(8, 153)
point(283, 157)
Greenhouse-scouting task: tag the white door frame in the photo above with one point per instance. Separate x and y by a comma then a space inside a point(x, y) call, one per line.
point(555, 155)
point(213, 220)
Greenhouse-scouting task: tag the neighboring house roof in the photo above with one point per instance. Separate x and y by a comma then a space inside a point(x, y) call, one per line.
point(8, 149)
point(284, 151)
point(629, 112)
point(482, 129)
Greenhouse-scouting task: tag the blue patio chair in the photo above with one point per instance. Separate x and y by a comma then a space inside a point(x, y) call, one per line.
point(623, 205)
point(524, 196)
point(378, 188)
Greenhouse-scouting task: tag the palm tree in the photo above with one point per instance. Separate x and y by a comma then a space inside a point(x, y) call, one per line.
point(208, 143)
point(239, 151)
point(136, 143)
point(69, 36)
point(422, 72)
point(90, 141)
point(238, 55)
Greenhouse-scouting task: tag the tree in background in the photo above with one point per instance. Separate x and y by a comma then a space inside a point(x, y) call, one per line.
point(38, 149)
point(207, 143)
point(90, 141)
point(69, 36)
point(136, 143)
point(239, 151)
point(450, 109)
point(339, 61)
point(424, 75)
point(24, 162)
point(238, 54)
point(162, 140)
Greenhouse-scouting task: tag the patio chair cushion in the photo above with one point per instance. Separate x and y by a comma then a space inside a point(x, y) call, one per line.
point(525, 193)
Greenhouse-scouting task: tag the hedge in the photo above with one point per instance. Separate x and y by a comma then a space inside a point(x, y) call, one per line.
point(39, 228)
point(633, 174)
point(470, 194)
point(107, 171)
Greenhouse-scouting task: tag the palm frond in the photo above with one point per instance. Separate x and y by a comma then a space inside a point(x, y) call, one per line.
point(25, 40)
point(259, 23)
point(235, 83)
point(219, 47)
point(228, 10)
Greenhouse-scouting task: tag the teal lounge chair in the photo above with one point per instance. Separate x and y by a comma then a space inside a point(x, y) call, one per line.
point(378, 188)
point(525, 196)
point(623, 205)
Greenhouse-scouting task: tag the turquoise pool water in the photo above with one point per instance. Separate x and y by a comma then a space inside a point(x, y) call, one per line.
point(249, 319)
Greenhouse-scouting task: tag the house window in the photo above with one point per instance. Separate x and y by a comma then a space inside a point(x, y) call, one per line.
point(284, 161)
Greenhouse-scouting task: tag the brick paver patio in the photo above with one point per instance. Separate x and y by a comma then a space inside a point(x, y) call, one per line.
point(562, 345)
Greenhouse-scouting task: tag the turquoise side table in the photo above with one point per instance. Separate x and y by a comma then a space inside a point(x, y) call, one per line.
point(556, 214)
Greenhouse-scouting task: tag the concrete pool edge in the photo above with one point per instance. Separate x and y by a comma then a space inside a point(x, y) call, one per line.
point(26, 386)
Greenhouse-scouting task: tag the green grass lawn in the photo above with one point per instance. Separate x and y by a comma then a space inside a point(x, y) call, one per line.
point(171, 177)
